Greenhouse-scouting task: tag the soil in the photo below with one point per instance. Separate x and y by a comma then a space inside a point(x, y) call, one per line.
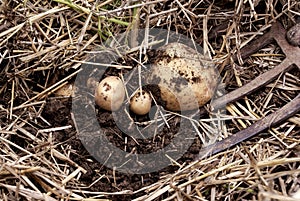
point(58, 112)
point(112, 182)
point(229, 24)
point(115, 127)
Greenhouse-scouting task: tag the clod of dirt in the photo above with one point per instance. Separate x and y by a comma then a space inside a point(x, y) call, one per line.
point(187, 80)
point(110, 93)
point(293, 35)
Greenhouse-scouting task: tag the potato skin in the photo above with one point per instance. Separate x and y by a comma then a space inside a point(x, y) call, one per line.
point(110, 93)
point(140, 103)
point(187, 80)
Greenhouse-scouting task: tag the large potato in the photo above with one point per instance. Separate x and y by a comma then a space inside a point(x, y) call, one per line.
point(186, 79)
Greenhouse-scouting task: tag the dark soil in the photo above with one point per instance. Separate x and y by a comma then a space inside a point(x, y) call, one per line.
point(119, 130)
point(113, 182)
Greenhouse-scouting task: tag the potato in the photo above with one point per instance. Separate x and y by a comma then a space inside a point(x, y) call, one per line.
point(110, 93)
point(186, 79)
point(66, 90)
point(140, 103)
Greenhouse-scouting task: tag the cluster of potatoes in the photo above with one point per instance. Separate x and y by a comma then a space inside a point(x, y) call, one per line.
point(110, 94)
point(185, 79)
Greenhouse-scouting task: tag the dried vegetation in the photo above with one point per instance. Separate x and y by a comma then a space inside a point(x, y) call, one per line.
point(42, 46)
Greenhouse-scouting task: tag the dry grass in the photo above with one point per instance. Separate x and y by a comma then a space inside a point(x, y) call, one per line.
point(43, 44)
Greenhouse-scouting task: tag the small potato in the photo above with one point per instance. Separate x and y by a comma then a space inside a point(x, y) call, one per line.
point(140, 103)
point(110, 93)
point(66, 91)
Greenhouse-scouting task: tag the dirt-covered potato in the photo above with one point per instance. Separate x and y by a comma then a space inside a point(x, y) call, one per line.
point(110, 93)
point(66, 90)
point(140, 103)
point(186, 78)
